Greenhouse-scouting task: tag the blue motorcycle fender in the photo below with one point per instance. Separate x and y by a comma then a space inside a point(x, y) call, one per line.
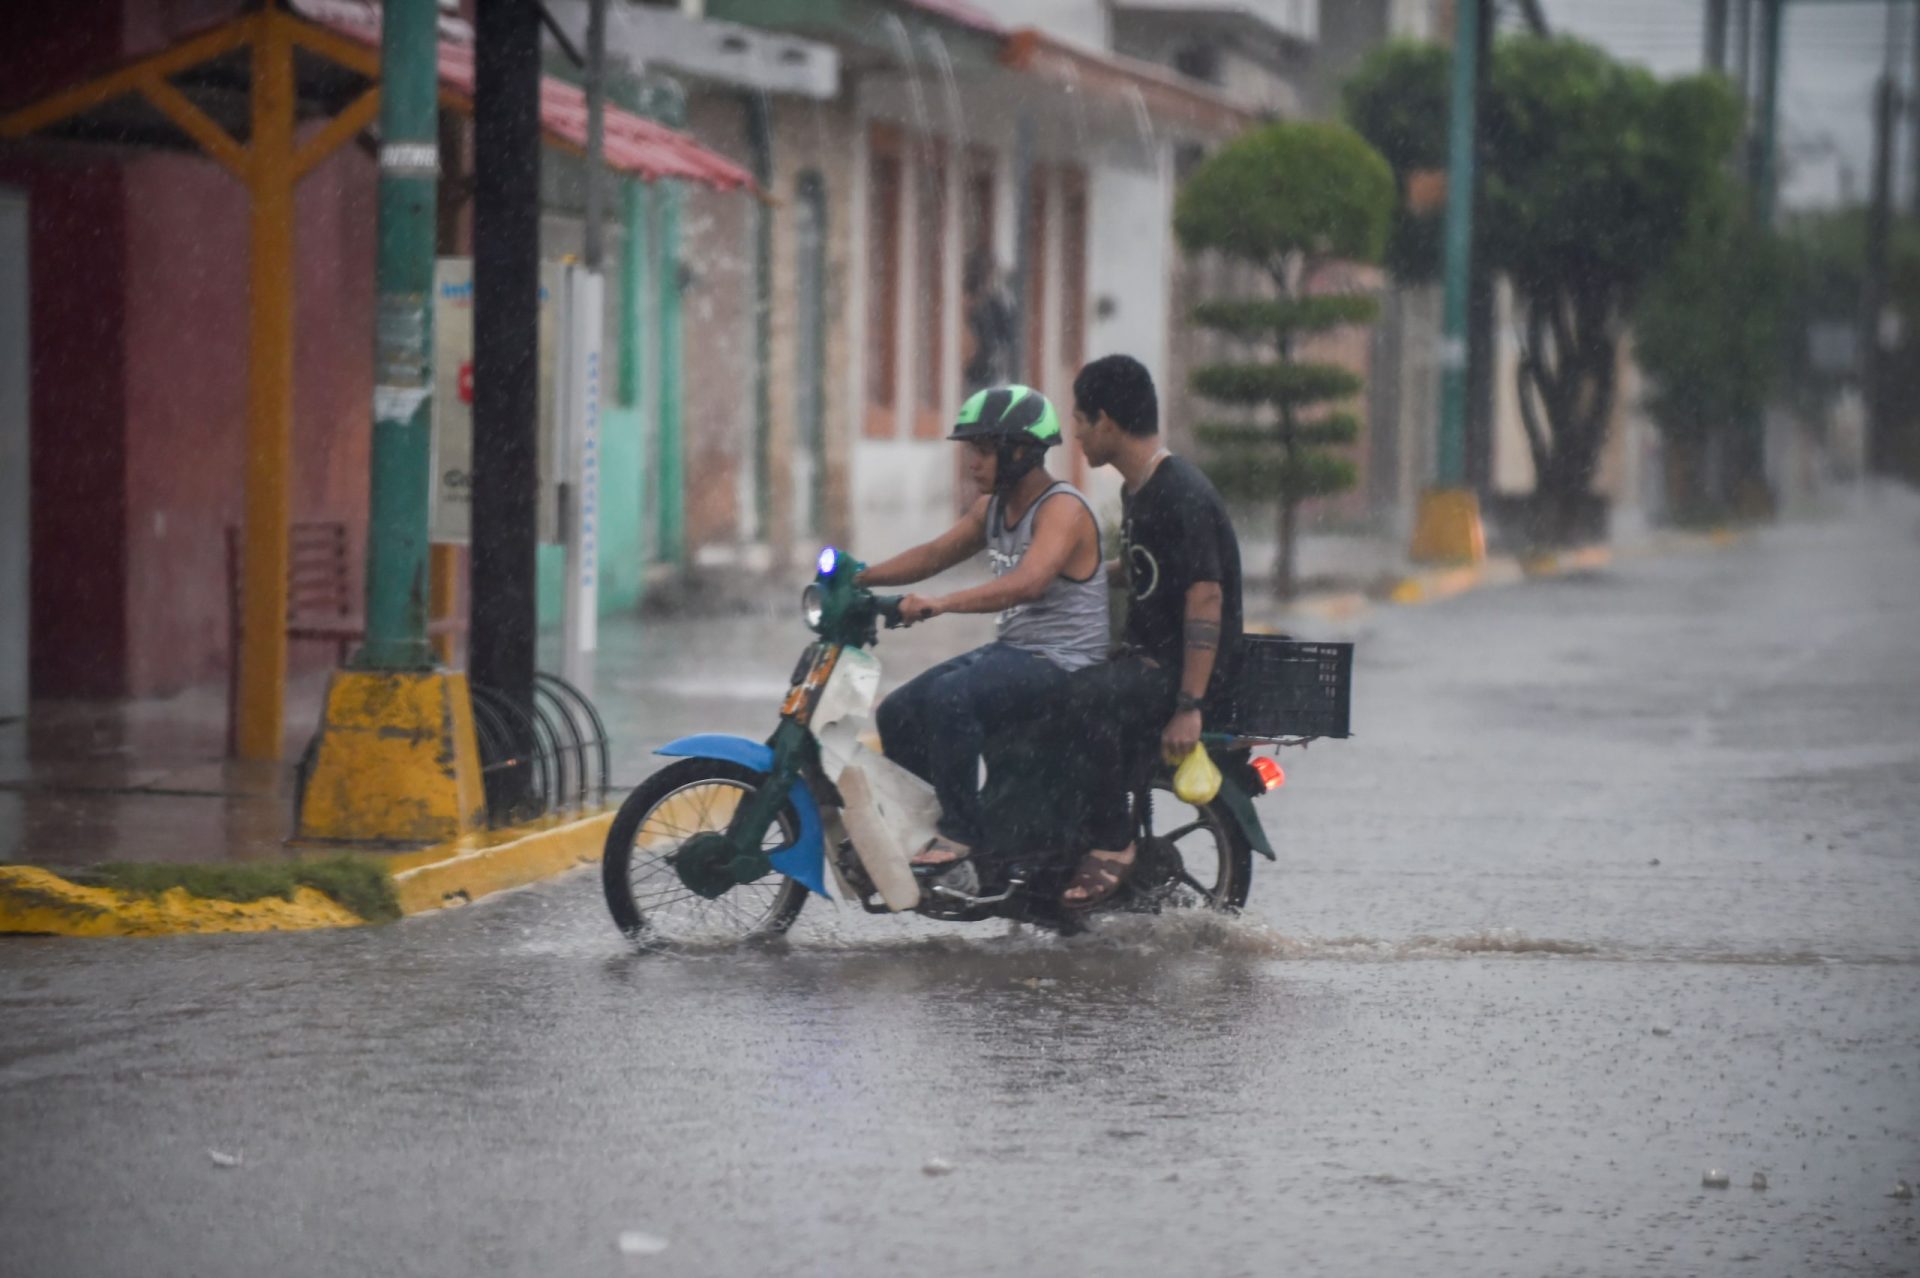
point(805, 860)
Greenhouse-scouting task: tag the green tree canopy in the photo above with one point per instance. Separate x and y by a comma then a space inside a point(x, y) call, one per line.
point(1284, 198)
point(1285, 189)
point(1594, 174)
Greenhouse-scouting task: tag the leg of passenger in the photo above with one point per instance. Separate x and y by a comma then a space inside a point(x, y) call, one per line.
point(1130, 702)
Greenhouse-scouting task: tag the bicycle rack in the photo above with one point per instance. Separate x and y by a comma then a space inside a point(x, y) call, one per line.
point(551, 757)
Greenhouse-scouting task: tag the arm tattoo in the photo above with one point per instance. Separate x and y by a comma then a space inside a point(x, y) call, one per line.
point(1202, 635)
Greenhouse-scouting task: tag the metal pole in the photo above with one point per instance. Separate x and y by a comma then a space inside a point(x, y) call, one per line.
point(396, 585)
point(1743, 49)
point(1459, 248)
point(1764, 161)
point(265, 550)
point(596, 90)
point(506, 327)
point(1477, 468)
point(1873, 289)
point(1715, 56)
point(1913, 120)
point(1024, 228)
point(582, 323)
point(672, 505)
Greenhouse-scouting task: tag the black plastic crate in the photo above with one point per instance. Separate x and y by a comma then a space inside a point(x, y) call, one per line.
point(1289, 688)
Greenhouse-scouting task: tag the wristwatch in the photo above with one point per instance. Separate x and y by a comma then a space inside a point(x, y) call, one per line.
point(1185, 701)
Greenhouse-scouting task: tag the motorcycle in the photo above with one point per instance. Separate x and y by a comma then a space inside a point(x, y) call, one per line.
point(727, 842)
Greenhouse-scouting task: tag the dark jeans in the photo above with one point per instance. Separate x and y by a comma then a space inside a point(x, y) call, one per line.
point(1125, 704)
point(935, 725)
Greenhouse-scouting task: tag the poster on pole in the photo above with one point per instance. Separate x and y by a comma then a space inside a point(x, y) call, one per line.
point(450, 501)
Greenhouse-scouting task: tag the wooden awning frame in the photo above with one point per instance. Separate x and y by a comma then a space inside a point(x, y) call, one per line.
point(270, 163)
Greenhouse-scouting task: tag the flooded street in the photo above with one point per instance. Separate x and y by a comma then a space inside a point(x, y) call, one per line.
point(1617, 883)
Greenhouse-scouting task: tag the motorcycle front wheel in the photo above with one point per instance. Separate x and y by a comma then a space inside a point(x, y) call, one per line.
point(644, 890)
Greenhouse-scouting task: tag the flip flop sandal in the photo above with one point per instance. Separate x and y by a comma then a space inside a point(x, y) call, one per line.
point(1100, 875)
point(954, 854)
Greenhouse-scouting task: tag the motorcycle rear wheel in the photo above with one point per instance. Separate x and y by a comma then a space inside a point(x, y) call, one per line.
point(644, 893)
point(1215, 855)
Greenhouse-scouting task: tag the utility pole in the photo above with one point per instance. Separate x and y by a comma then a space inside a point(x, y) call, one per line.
point(1873, 291)
point(584, 322)
point(1762, 165)
point(396, 582)
point(1478, 466)
point(506, 329)
point(396, 762)
point(1715, 55)
point(1448, 528)
point(1459, 244)
point(1913, 122)
point(1743, 49)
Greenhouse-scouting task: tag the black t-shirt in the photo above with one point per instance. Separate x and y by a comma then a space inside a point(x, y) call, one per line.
point(1176, 533)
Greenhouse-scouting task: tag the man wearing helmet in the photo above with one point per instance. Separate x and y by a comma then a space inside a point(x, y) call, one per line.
point(1049, 589)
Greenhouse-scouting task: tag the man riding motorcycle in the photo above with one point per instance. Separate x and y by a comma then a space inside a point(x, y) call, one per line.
point(1180, 561)
point(1049, 588)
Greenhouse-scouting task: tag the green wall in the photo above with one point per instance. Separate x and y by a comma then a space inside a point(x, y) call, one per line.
point(622, 552)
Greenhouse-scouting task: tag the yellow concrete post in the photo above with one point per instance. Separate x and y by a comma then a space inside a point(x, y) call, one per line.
point(443, 564)
point(269, 430)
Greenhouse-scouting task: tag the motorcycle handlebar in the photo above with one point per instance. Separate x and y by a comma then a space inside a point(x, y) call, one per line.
point(888, 606)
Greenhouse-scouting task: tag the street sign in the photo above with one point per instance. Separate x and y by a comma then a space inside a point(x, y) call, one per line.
point(450, 515)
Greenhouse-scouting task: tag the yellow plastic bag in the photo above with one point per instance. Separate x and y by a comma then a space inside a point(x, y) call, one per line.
point(1197, 780)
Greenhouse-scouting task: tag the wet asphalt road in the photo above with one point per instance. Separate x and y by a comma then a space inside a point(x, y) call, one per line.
point(1618, 883)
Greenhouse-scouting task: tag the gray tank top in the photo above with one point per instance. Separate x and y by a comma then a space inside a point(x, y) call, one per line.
point(1068, 624)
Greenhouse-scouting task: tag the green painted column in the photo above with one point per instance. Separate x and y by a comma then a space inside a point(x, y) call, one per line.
point(1452, 453)
point(633, 287)
point(403, 341)
point(672, 469)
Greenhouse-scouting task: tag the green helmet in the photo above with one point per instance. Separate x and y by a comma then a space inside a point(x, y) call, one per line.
point(1010, 414)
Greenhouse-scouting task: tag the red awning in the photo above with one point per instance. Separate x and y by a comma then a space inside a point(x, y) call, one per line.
point(633, 145)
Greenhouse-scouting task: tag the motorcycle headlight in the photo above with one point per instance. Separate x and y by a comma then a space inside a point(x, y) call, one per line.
point(813, 605)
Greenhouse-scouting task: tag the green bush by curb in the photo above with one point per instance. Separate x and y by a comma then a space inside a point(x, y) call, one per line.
point(359, 883)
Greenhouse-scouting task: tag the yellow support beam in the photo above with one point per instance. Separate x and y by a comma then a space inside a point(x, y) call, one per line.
point(330, 45)
point(269, 432)
point(196, 124)
point(128, 79)
point(338, 131)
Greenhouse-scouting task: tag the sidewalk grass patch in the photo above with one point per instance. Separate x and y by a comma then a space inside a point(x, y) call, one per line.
point(360, 883)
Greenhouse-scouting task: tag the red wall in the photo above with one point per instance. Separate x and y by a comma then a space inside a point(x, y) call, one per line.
point(77, 320)
point(186, 371)
point(139, 331)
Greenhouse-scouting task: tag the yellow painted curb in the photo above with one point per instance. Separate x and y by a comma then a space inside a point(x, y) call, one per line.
point(1553, 563)
point(480, 865)
point(39, 901)
point(1427, 587)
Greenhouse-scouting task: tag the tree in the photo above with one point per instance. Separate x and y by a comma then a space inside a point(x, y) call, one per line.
point(1286, 199)
point(1710, 334)
point(1594, 172)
